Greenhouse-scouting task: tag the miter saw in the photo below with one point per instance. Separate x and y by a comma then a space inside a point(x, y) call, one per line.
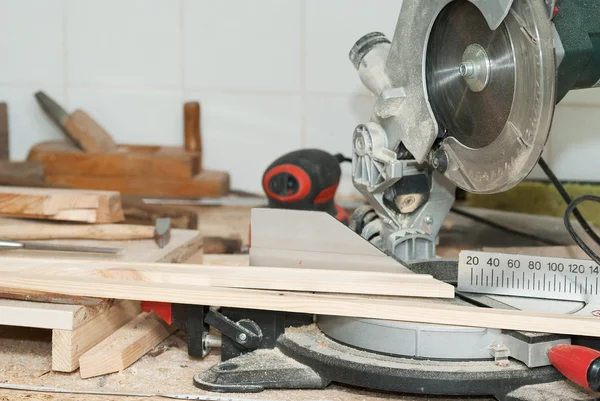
point(465, 95)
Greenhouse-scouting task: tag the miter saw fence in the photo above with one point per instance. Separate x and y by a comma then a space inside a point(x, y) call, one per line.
point(465, 93)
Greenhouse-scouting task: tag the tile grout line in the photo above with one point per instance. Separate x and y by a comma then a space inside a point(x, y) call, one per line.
point(303, 73)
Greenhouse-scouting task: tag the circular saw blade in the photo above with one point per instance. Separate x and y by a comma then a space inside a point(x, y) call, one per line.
point(491, 93)
point(474, 118)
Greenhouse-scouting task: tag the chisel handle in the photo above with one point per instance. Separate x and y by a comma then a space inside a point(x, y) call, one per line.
point(47, 231)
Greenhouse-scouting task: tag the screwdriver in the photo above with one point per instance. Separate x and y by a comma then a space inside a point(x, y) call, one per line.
point(579, 364)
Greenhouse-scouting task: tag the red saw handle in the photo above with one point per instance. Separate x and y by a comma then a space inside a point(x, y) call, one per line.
point(578, 364)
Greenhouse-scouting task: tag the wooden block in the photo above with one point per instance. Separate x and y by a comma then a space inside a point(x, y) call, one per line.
point(69, 345)
point(61, 204)
point(28, 173)
point(125, 346)
point(48, 316)
point(206, 184)
point(62, 158)
point(4, 137)
point(84, 130)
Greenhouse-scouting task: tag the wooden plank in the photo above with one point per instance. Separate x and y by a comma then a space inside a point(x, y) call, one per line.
point(183, 245)
point(84, 130)
point(69, 345)
point(399, 309)
point(269, 278)
point(61, 204)
point(125, 346)
point(166, 162)
point(47, 316)
point(23, 230)
point(206, 184)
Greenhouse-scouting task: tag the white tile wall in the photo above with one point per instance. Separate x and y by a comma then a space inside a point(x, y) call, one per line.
point(243, 45)
point(330, 122)
point(134, 116)
point(332, 28)
point(130, 43)
point(31, 42)
point(272, 76)
point(27, 124)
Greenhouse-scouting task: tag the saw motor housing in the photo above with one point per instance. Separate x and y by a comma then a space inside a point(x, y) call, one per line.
point(465, 94)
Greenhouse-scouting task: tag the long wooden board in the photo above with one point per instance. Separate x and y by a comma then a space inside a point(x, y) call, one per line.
point(400, 309)
point(61, 204)
point(270, 278)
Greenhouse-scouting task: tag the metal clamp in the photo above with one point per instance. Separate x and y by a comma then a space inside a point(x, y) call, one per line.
point(246, 333)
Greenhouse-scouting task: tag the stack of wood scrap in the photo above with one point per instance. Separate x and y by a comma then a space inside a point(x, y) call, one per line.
point(61, 204)
point(80, 324)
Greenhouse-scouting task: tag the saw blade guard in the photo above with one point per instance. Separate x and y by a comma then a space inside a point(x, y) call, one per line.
point(441, 110)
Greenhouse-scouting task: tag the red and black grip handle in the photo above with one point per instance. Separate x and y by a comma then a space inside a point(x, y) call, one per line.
point(305, 179)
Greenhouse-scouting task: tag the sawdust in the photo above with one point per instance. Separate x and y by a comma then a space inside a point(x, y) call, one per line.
point(25, 358)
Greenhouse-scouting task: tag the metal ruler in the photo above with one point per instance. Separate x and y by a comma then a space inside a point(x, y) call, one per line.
point(529, 276)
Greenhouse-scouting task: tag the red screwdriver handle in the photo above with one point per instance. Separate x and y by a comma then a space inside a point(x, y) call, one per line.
point(578, 364)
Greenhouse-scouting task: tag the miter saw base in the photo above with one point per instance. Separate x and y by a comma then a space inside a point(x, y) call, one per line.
point(307, 359)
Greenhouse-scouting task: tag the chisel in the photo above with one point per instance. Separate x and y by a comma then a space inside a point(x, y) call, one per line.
point(5, 244)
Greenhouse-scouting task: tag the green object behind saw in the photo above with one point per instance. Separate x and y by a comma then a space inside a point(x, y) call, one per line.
point(578, 25)
point(539, 198)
